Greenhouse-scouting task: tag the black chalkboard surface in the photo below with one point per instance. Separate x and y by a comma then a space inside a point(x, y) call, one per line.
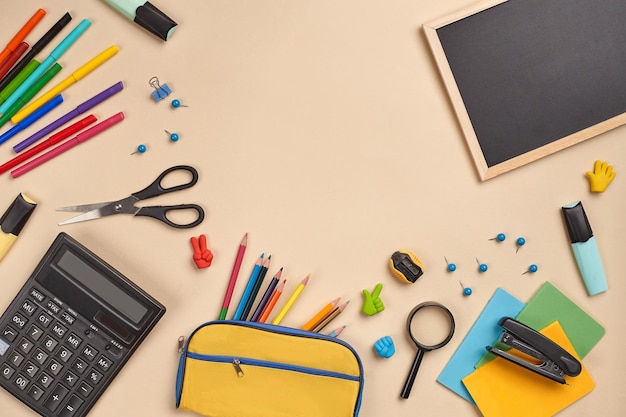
point(530, 77)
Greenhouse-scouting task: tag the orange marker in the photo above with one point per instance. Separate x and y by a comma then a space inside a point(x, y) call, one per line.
point(270, 305)
point(320, 315)
point(21, 34)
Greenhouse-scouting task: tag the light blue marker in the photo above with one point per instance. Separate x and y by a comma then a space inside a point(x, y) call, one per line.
point(47, 63)
point(32, 118)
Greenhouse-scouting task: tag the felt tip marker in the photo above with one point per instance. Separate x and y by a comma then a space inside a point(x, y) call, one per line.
point(41, 112)
point(13, 220)
point(12, 59)
point(22, 33)
point(146, 15)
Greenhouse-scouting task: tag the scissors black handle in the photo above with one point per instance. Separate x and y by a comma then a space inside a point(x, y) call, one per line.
point(160, 213)
point(156, 188)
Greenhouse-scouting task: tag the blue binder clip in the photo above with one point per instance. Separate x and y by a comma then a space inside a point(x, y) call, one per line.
point(160, 91)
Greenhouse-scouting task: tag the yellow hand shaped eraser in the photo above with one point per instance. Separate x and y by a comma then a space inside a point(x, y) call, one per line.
point(601, 176)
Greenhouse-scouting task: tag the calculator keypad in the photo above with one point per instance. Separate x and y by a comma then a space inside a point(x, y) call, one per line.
point(52, 356)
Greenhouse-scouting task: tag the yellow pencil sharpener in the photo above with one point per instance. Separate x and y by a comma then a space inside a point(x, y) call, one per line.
point(406, 266)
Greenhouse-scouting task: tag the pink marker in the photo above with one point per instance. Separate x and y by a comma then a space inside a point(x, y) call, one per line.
point(69, 144)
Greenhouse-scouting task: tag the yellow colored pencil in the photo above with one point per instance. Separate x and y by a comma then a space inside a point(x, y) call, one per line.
point(320, 315)
point(81, 72)
point(294, 296)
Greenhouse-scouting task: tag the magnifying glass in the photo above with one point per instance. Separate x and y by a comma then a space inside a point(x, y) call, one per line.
point(428, 332)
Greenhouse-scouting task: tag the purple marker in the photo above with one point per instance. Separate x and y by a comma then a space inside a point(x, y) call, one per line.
point(81, 108)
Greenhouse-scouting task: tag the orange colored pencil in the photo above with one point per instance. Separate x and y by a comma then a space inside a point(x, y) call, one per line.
point(21, 34)
point(270, 305)
point(320, 315)
point(330, 317)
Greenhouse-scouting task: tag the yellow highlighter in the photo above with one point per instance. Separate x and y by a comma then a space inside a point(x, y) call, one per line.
point(13, 220)
point(81, 72)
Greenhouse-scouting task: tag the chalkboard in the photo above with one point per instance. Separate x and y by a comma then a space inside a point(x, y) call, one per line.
point(528, 78)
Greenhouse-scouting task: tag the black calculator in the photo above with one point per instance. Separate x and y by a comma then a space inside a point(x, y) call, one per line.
point(70, 330)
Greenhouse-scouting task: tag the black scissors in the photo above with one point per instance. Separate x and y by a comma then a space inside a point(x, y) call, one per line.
point(127, 205)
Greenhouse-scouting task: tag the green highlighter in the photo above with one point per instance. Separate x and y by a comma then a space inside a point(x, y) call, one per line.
point(30, 93)
point(19, 79)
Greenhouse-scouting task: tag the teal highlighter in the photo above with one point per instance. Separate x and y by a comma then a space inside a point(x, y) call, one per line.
point(56, 53)
point(146, 15)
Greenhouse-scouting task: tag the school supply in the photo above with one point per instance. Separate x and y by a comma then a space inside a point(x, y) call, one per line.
point(255, 289)
point(12, 58)
point(238, 368)
point(233, 276)
point(13, 220)
point(127, 205)
point(71, 329)
point(146, 15)
point(292, 299)
point(21, 34)
point(330, 317)
point(406, 266)
point(267, 295)
point(267, 310)
point(320, 315)
point(32, 118)
point(254, 275)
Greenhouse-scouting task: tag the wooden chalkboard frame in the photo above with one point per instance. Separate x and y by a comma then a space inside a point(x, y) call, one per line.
point(484, 170)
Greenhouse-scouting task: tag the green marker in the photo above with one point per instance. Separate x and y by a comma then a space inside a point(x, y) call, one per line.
point(30, 93)
point(19, 78)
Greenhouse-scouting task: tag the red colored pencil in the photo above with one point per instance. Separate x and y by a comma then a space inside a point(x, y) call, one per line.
point(233, 276)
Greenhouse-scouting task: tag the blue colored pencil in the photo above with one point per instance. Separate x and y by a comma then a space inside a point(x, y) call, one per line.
point(248, 289)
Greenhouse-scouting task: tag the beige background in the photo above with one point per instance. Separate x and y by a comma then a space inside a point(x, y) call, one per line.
point(322, 129)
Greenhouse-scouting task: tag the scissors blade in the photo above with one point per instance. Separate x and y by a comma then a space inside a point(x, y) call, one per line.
point(83, 207)
point(125, 206)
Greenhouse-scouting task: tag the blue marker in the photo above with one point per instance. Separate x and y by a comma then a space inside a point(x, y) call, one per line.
point(47, 63)
point(32, 118)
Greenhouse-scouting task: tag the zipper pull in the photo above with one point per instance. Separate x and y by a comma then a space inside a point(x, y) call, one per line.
point(181, 344)
point(238, 370)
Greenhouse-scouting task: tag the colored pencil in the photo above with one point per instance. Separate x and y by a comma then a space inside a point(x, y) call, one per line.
point(337, 331)
point(320, 315)
point(336, 311)
point(294, 296)
point(21, 34)
point(233, 276)
point(266, 296)
point(248, 289)
point(272, 302)
point(255, 289)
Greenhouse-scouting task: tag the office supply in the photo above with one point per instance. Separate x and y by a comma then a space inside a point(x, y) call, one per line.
point(337, 331)
point(146, 15)
point(71, 329)
point(563, 87)
point(176, 104)
point(406, 266)
point(292, 299)
point(319, 316)
point(601, 176)
point(173, 136)
point(500, 388)
point(256, 288)
point(233, 276)
point(482, 267)
point(421, 347)
point(267, 310)
point(248, 289)
point(160, 91)
point(384, 347)
point(483, 332)
point(80, 109)
point(372, 304)
point(30, 93)
point(554, 361)
point(76, 76)
point(267, 295)
point(19, 79)
point(520, 242)
point(41, 112)
point(56, 53)
point(140, 149)
point(52, 140)
point(13, 221)
point(330, 317)
point(202, 255)
point(531, 269)
point(127, 205)
point(66, 146)
point(37, 47)
point(22, 33)
point(12, 58)
point(242, 368)
point(467, 291)
point(451, 267)
point(585, 248)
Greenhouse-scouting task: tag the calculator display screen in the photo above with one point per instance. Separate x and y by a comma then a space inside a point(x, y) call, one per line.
point(100, 284)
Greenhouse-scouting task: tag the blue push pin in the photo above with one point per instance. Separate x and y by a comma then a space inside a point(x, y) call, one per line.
point(173, 136)
point(451, 267)
point(532, 269)
point(140, 149)
point(482, 267)
point(520, 242)
point(176, 104)
point(500, 237)
point(467, 291)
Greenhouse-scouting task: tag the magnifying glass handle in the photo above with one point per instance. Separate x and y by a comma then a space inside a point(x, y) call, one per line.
point(412, 374)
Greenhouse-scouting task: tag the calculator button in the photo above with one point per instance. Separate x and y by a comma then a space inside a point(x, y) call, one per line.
point(19, 320)
point(85, 389)
point(16, 359)
point(45, 379)
point(54, 367)
point(113, 350)
point(35, 392)
point(79, 365)
point(89, 353)
point(6, 371)
point(44, 319)
point(59, 330)
point(37, 295)
point(40, 356)
point(26, 345)
point(4, 346)
point(31, 369)
point(49, 343)
point(104, 363)
point(70, 378)
point(64, 354)
point(21, 381)
point(69, 319)
point(74, 341)
point(94, 376)
point(9, 333)
point(29, 307)
point(55, 398)
point(53, 307)
point(34, 332)
point(71, 407)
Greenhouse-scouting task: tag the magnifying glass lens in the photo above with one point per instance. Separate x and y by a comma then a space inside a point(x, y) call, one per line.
point(430, 326)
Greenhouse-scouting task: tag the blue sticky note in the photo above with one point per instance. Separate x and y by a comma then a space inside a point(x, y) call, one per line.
point(483, 333)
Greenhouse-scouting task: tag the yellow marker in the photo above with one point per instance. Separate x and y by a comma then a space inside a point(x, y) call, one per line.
point(291, 300)
point(94, 63)
point(13, 220)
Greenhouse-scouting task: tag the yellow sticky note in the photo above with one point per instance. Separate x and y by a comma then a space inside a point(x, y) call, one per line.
point(502, 388)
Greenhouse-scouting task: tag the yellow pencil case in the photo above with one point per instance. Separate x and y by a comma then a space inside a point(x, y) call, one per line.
point(249, 369)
